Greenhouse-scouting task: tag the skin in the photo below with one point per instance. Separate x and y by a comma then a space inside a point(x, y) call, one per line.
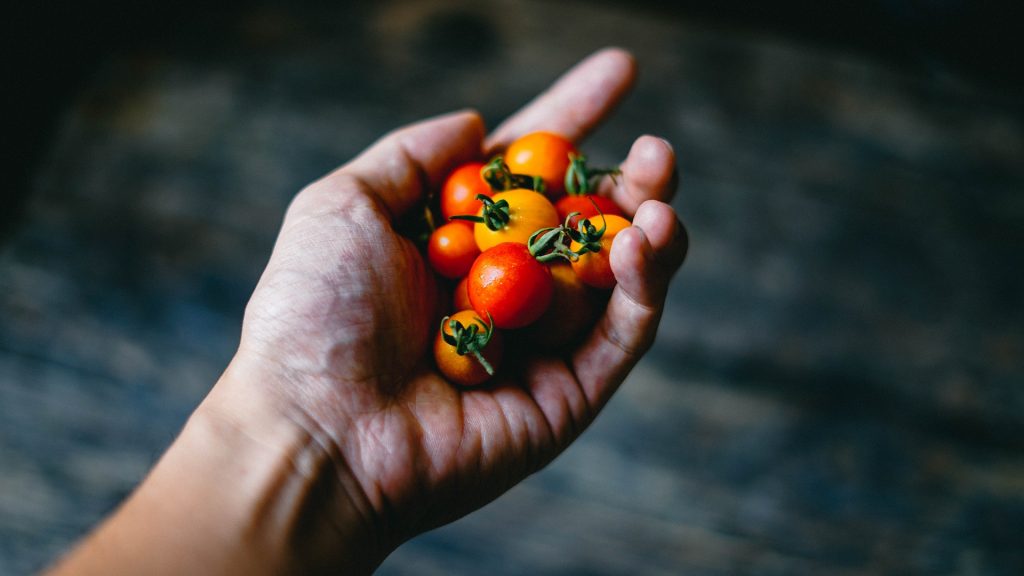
point(331, 439)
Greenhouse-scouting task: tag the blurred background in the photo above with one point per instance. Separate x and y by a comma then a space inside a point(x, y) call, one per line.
point(838, 383)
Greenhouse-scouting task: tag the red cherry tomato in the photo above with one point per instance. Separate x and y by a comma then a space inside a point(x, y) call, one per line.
point(594, 268)
point(543, 154)
point(528, 212)
point(508, 283)
point(452, 249)
point(584, 204)
point(460, 299)
point(570, 314)
point(458, 195)
point(467, 369)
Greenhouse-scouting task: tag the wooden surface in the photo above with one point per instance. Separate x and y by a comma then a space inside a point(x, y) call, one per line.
point(838, 384)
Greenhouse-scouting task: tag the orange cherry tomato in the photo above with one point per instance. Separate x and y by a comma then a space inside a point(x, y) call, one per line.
point(543, 154)
point(458, 195)
point(509, 284)
point(528, 212)
point(594, 268)
point(571, 313)
point(452, 249)
point(470, 368)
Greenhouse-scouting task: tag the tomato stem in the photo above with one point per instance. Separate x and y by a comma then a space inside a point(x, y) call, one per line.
point(483, 362)
point(581, 179)
point(496, 215)
point(500, 177)
point(469, 339)
point(548, 244)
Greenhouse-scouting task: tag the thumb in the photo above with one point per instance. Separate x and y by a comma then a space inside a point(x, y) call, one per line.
point(406, 163)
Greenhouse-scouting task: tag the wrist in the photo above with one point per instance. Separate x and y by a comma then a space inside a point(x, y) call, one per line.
point(299, 501)
point(242, 490)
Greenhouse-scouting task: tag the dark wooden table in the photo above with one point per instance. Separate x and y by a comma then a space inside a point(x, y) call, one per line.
point(838, 384)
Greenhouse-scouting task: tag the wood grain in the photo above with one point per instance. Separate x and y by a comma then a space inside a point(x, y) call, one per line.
point(837, 384)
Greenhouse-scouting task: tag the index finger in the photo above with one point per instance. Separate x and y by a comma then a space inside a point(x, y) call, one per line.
point(576, 102)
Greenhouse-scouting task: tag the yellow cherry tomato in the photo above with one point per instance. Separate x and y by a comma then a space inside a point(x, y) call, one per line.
point(527, 212)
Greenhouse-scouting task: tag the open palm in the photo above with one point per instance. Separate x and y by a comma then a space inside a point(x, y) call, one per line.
point(346, 309)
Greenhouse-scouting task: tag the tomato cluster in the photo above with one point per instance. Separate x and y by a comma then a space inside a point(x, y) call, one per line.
point(528, 241)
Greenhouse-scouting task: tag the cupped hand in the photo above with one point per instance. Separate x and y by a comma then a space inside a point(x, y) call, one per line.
point(337, 333)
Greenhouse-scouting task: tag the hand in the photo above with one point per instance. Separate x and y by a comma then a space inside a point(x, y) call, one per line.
point(343, 316)
point(334, 375)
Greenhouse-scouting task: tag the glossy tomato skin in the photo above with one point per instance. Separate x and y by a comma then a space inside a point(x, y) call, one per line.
point(458, 195)
point(594, 268)
point(528, 212)
point(466, 370)
point(452, 249)
point(507, 282)
point(571, 313)
point(543, 154)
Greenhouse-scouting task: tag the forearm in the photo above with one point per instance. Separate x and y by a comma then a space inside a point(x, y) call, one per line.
point(240, 491)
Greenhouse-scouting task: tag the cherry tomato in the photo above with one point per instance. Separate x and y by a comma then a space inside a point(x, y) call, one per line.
point(570, 314)
point(527, 212)
point(470, 368)
point(583, 205)
point(460, 298)
point(508, 283)
point(452, 249)
point(543, 154)
point(594, 268)
point(458, 195)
